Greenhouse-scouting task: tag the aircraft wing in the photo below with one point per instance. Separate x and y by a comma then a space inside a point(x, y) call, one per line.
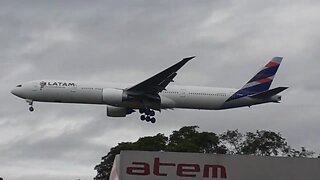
point(158, 82)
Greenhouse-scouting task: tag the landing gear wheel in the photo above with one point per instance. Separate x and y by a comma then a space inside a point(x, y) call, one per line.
point(153, 120)
point(147, 112)
point(31, 109)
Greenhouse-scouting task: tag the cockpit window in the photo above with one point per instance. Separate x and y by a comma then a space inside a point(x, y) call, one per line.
point(19, 85)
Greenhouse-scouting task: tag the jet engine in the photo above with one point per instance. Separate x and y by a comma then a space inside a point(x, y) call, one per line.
point(118, 111)
point(114, 97)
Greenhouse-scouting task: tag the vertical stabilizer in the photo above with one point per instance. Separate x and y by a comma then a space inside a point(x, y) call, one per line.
point(261, 81)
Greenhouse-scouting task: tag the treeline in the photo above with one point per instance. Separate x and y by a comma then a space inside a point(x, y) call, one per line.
point(188, 139)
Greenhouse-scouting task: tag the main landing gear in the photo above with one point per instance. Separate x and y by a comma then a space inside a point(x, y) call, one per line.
point(31, 109)
point(147, 114)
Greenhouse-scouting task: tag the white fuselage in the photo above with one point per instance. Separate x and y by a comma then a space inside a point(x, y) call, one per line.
point(189, 97)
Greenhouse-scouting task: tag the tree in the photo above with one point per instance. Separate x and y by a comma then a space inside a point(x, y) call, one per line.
point(233, 140)
point(104, 168)
point(264, 143)
point(188, 139)
point(181, 141)
point(303, 153)
point(151, 143)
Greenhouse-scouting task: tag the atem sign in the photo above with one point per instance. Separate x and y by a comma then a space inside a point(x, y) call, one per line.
point(146, 165)
point(211, 171)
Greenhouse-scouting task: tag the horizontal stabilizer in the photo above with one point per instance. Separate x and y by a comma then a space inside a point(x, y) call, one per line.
point(269, 93)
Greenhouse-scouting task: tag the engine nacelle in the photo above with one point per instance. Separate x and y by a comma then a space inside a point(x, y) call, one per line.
point(118, 111)
point(114, 97)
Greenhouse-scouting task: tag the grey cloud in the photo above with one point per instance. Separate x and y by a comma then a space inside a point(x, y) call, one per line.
point(132, 40)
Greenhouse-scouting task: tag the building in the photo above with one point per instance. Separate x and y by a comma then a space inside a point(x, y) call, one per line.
point(140, 165)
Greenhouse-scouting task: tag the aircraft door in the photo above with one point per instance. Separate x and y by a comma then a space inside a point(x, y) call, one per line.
point(183, 93)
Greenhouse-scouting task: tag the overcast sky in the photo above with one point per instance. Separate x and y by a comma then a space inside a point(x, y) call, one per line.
point(128, 41)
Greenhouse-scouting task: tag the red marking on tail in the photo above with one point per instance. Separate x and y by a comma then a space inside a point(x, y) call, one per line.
point(265, 80)
point(272, 64)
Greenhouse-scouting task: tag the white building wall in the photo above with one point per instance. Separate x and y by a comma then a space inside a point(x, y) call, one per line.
point(143, 165)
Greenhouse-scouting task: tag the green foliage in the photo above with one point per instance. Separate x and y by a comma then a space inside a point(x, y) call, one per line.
point(234, 140)
point(154, 143)
point(264, 143)
point(303, 153)
point(104, 168)
point(188, 139)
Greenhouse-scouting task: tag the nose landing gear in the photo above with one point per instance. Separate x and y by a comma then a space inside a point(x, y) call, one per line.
point(31, 109)
point(147, 114)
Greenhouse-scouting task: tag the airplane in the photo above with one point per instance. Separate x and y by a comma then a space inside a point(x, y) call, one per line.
point(155, 93)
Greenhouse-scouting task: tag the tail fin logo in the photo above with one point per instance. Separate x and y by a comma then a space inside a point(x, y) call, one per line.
point(261, 81)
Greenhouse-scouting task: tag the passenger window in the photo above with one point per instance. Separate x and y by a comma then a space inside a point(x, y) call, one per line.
point(19, 85)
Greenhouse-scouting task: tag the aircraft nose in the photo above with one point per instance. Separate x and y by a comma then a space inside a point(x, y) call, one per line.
point(14, 92)
point(17, 92)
